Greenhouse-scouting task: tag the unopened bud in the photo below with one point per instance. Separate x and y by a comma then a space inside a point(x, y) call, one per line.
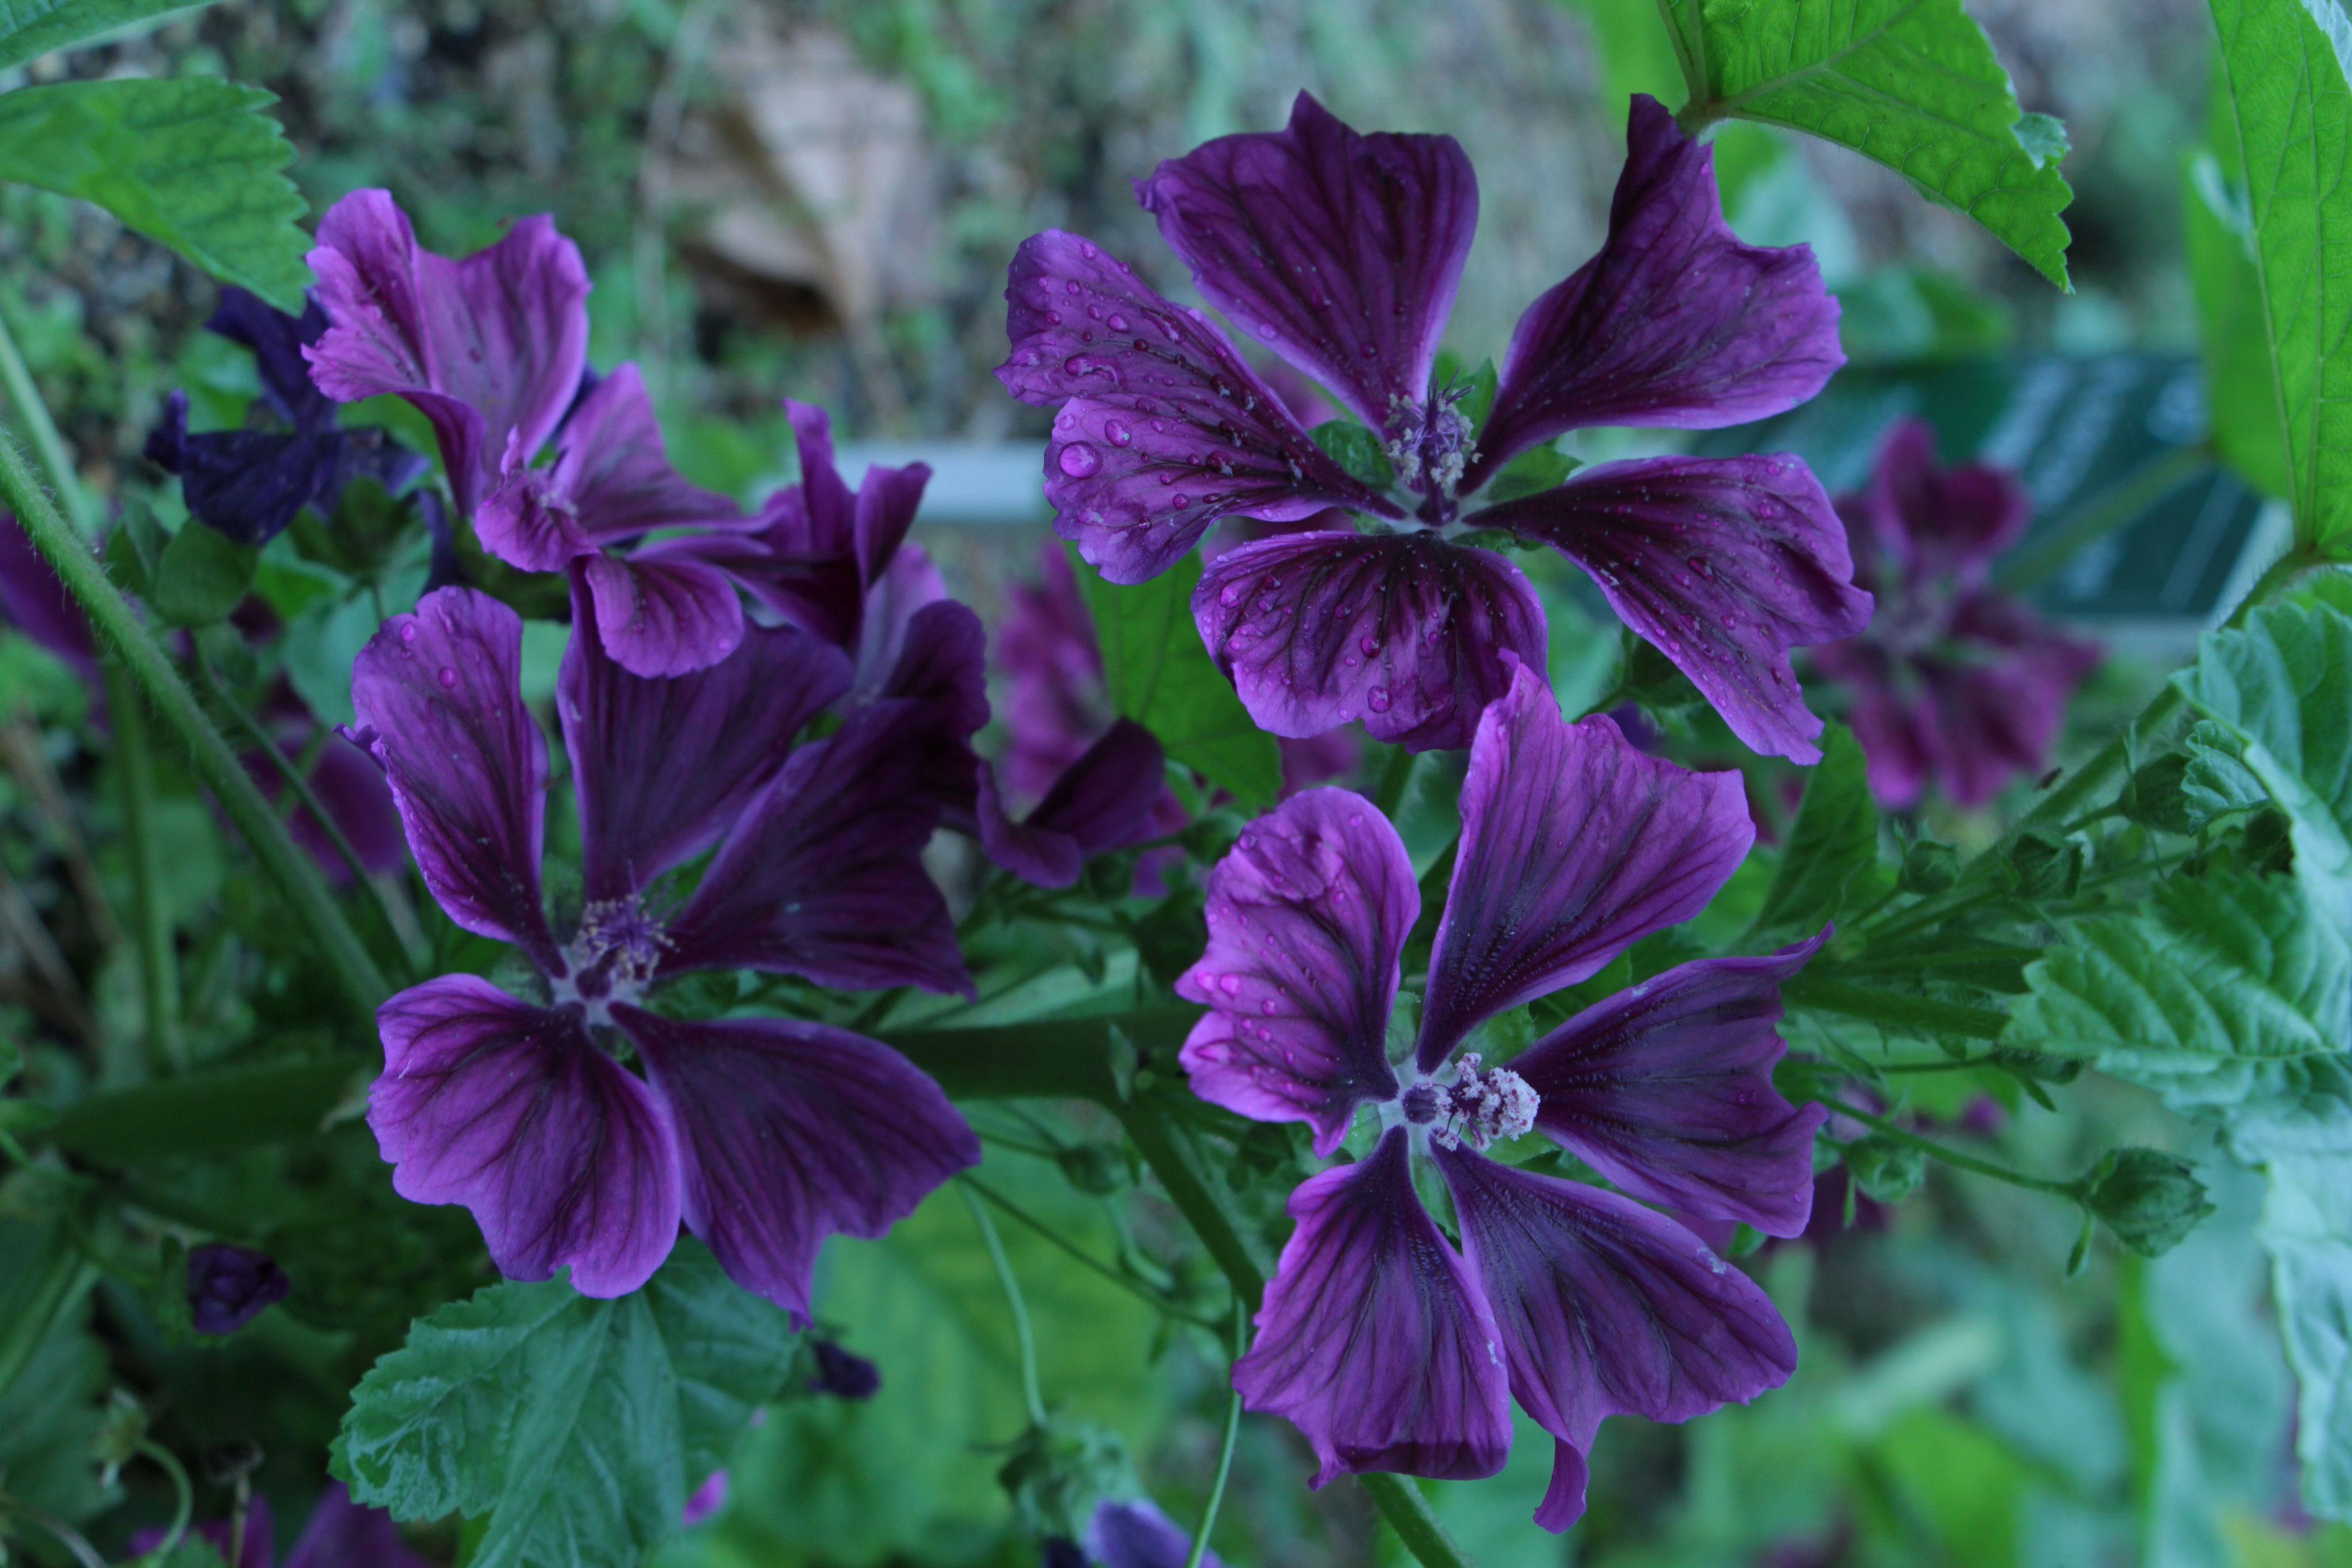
point(1929, 868)
point(1885, 1169)
point(2148, 1198)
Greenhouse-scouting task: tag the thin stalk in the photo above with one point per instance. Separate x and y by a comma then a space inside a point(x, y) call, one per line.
point(1134, 1286)
point(1196, 1203)
point(22, 745)
point(185, 1504)
point(151, 919)
point(72, 1540)
point(1029, 1397)
point(50, 1287)
point(16, 382)
point(2030, 568)
point(1416, 1524)
point(1225, 1449)
point(217, 766)
point(1953, 1157)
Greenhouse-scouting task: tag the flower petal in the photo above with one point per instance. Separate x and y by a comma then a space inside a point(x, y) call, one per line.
point(344, 1534)
point(1674, 323)
point(661, 613)
point(1666, 1090)
point(1374, 1338)
point(440, 707)
point(1404, 631)
point(662, 767)
point(611, 480)
point(1574, 847)
point(562, 1156)
point(34, 601)
point(277, 340)
point(250, 484)
point(1103, 800)
point(823, 873)
point(1723, 564)
point(1134, 1533)
point(1307, 916)
point(1606, 1308)
point(906, 585)
point(1163, 428)
point(789, 1133)
point(1921, 521)
point(1341, 252)
point(489, 348)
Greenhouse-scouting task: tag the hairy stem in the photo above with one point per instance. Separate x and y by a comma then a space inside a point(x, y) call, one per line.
point(1949, 1156)
point(16, 381)
point(1409, 1515)
point(151, 918)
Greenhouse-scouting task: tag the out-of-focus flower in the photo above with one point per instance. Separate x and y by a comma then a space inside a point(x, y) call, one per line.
point(764, 1136)
point(1132, 1532)
point(1388, 1349)
point(340, 1534)
point(1341, 253)
point(842, 1374)
point(1955, 684)
point(228, 1287)
point(34, 602)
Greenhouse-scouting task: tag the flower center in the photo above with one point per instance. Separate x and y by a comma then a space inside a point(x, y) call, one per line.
point(1482, 1105)
point(1429, 443)
point(612, 957)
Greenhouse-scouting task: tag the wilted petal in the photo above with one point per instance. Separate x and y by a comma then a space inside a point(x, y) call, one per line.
point(1574, 847)
point(661, 767)
point(789, 1133)
point(250, 484)
point(1307, 916)
point(277, 340)
point(1404, 631)
point(1674, 323)
point(1606, 1308)
point(440, 706)
point(491, 348)
point(1724, 564)
point(822, 874)
point(562, 1156)
point(1338, 251)
point(343, 1534)
point(1374, 1338)
point(661, 613)
point(1666, 1090)
point(1103, 800)
point(1163, 428)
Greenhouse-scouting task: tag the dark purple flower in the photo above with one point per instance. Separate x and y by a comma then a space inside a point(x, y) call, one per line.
point(1134, 1533)
point(34, 601)
point(707, 1498)
point(228, 1287)
point(1105, 800)
point(1955, 683)
point(842, 1374)
point(250, 484)
point(763, 1135)
point(340, 1534)
point(1340, 253)
point(1387, 1347)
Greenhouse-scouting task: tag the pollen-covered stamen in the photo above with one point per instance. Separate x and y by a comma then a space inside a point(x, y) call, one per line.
point(614, 953)
point(1429, 443)
point(1481, 1105)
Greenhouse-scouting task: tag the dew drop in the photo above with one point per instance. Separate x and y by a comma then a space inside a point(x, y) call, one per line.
point(1377, 700)
point(449, 678)
point(1117, 323)
point(1119, 433)
point(1231, 984)
point(1078, 460)
point(1369, 645)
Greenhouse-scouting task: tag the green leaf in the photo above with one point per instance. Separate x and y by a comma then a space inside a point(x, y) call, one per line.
point(1912, 84)
point(203, 576)
point(2292, 113)
point(1530, 473)
point(2307, 1225)
point(31, 28)
point(1159, 676)
point(191, 163)
point(1834, 840)
point(1356, 449)
point(49, 1416)
point(580, 1426)
point(2241, 400)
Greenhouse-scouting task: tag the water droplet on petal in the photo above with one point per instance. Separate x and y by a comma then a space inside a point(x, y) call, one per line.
point(449, 678)
point(1377, 700)
point(1078, 460)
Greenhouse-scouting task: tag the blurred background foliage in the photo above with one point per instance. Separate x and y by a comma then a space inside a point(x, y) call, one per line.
point(818, 200)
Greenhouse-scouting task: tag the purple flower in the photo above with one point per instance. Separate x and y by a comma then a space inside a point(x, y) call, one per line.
point(1340, 253)
point(340, 1534)
point(762, 1135)
point(1955, 683)
point(1135, 1534)
point(1106, 799)
point(842, 1374)
point(228, 1287)
point(707, 1498)
point(34, 602)
point(1390, 1349)
point(250, 484)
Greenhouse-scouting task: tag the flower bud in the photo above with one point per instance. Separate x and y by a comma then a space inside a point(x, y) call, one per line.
point(228, 1287)
point(1929, 868)
point(1885, 1169)
point(843, 1374)
point(2148, 1198)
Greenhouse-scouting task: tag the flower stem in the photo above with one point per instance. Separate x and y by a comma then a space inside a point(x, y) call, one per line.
point(1195, 1203)
point(1030, 1396)
point(16, 381)
point(1949, 1156)
point(1225, 1449)
point(150, 917)
point(1134, 1286)
point(185, 1505)
point(215, 766)
point(1409, 1515)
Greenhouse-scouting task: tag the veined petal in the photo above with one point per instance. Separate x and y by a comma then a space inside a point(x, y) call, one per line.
point(661, 767)
point(1405, 631)
point(660, 612)
point(908, 584)
point(1606, 1308)
point(277, 340)
point(562, 1156)
point(1307, 916)
point(1724, 564)
point(789, 1132)
point(440, 707)
point(1102, 801)
point(1674, 323)
point(823, 873)
point(1666, 1090)
point(489, 348)
point(250, 484)
point(1339, 251)
point(1163, 428)
point(1925, 522)
point(1574, 847)
point(1375, 1341)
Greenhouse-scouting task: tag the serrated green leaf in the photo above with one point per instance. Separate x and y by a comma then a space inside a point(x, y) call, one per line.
point(1159, 674)
point(2291, 112)
point(1912, 84)
point(2307, 1226)
point(1834, 840)
point(580, 1424)
point(2215, 782)
point(1356, 449)
point(191, 163)
point(31, 28)
point(2241, 401)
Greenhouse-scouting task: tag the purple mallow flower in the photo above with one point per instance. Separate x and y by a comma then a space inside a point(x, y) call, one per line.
point(1134, 1533)
point(1390, 1349)
point(1955, 683)
point(763, 1135)
point(340, 1534)
point(228, 1287)
point(250, 484)
point(1341, 253)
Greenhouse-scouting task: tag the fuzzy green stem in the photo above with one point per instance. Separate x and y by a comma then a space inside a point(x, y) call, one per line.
point(1225, 1449)
point(16, 382)
point(150, 917)
point(217, 766)
point(1031, 1396)
point(1136, 1288)
point(1951, 1156)
point(1416, 1524)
